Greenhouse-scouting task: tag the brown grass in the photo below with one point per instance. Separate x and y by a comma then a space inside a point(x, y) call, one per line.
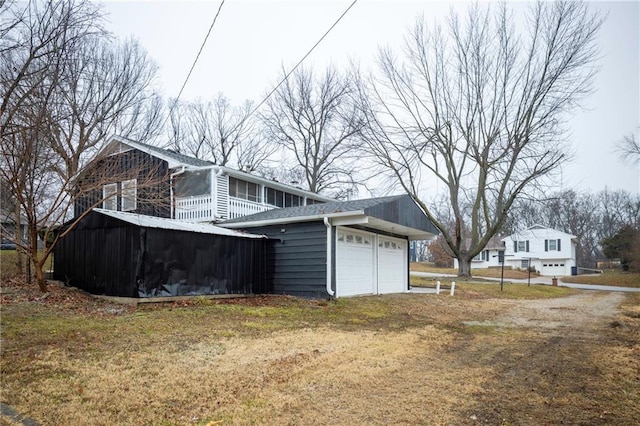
point(483, 272)
point(612, 278)
point(398, 359)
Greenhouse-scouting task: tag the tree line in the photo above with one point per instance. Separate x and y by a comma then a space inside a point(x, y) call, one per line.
point(467, 117)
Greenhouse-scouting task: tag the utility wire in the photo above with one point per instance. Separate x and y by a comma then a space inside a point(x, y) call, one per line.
point(296, 66)
point(204, 42)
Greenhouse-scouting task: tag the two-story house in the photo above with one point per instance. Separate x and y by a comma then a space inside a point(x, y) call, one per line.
point(549, 251)
point(133, 177)
point(154, 223)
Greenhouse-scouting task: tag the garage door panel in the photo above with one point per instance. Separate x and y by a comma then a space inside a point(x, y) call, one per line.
point(392, 265)
point(354, 263)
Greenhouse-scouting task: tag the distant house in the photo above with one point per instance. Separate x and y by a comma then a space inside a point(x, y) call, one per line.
point(549, 251)
point(8, 228)
point(488, 257)
point(148, 230)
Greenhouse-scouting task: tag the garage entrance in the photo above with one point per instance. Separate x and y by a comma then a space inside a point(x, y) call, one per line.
point(368, 263)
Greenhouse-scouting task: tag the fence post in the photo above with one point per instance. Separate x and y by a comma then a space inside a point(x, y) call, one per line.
point(453, 287)
point(437, 287)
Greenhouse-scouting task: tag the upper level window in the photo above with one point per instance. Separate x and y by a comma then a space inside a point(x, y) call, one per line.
point(311, 201)
point(552, 245)
point(521, 246)
point(283, 199)
point(245, 190)
point(110, 197)
point(129, 195)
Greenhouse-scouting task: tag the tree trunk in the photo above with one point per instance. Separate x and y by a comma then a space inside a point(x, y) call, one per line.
point(42, 284)
point(17, 233)
point(464, 267)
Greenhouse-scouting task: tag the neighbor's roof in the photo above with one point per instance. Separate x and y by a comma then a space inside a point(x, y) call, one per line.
point(176, 225)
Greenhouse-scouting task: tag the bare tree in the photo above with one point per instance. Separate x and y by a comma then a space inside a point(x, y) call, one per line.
point(64, 85)
point(628, 149)
point(218, 131)
point(479, 108)
point(315, 121)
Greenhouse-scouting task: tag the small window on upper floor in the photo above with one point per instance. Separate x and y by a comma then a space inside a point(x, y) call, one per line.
point(110, 196)
point(129, 195)
point(552, 245)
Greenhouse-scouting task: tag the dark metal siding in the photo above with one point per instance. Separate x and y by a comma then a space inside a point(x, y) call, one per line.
point(103, 255)
point(152, 173)
point(403, 211)
point(297, 258)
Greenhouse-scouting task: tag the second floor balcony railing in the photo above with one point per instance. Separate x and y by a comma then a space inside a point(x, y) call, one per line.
point(239, 207)
point(203, 209)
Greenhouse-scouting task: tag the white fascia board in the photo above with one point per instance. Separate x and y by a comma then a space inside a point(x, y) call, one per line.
point(353, 215)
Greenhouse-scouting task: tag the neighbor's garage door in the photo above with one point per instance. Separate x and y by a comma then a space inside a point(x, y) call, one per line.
point(392, 265)
point(550, 267)
point(354, 262)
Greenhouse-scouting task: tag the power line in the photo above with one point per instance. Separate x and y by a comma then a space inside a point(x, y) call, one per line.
point(297, 65)
point(204, 42)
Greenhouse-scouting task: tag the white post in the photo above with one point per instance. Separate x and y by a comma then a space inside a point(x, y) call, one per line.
point(453, 287)
point(437, 287)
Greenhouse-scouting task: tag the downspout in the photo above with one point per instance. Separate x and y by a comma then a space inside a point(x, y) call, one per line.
point(216, 172)
point(327, 223)
point(173, 201)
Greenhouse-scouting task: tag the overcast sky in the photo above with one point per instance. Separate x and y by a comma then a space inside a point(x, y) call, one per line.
point(252, 40)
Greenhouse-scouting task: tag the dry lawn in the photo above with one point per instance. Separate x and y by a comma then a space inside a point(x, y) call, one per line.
point(614, 278)
point(401, 359)
point(481, 272)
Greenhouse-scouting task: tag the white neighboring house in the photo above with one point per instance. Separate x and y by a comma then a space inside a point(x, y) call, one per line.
point(550, 251)
point(488, 257)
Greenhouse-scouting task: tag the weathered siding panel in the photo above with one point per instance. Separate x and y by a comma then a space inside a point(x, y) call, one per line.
point(297, 259)
point(152, 174)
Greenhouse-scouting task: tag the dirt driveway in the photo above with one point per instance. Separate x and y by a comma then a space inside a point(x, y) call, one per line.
point(398, 359)
point(582, 314)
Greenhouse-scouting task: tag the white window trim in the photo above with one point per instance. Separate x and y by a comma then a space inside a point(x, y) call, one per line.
point(110, 196)
point(129, 195)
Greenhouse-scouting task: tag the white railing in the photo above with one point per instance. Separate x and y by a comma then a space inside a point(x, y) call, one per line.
point(239, 207)
point(195, 209)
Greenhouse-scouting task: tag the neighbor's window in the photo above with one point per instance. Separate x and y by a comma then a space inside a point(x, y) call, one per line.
point(110, 197)
point(525, 263)
point(552, 245)
point(129, 195)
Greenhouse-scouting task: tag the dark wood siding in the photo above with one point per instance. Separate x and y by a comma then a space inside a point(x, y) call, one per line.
point(297, 258)
point(153, 183)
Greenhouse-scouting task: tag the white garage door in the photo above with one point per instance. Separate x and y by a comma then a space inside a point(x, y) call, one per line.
point(392, 265)
point(354, 262)
point(553, 267)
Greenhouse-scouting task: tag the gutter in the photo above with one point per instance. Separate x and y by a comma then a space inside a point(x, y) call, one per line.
point(282, 220)
point(327, 223)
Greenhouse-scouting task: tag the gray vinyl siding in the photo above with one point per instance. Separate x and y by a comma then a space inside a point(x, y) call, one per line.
point(297, 258)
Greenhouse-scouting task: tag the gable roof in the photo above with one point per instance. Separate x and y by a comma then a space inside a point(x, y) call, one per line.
point(172, 224)
point(175, 159)
point(538, 231)
point(397, 214)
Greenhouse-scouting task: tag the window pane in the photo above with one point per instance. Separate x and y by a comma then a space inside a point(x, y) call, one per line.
point(110, 200)
point(522, 246)
point(129, 195)
point(233, 182)
point(552, 245)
